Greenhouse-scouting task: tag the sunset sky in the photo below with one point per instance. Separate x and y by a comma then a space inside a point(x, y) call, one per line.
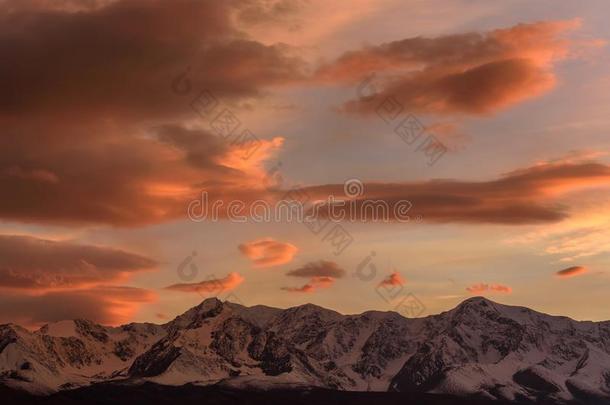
point(111, 115)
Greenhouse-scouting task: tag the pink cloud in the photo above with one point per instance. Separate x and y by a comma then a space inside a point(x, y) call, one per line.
point(268, 252)
point(313, 285)
point(393, 279)
point(108, 305)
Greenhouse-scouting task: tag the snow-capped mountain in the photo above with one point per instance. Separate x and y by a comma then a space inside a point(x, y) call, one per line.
point(479, 348)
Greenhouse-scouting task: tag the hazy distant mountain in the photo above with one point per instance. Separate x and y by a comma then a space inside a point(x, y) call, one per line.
point(480, 348)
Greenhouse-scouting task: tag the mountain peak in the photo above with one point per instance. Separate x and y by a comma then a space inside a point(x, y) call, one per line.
point(477, 303)
point(478, 300)
point(209, 303)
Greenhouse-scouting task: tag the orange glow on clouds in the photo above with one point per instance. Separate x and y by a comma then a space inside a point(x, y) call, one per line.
point(393, 279)
point(482, 288)
point(211, 286)
point(268, 252)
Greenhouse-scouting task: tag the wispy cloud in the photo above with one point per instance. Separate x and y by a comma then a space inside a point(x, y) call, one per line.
point(313, 285)
point(210, 286)
point(483, 288)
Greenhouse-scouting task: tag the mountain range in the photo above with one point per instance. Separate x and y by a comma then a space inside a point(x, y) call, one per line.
point(480, 349)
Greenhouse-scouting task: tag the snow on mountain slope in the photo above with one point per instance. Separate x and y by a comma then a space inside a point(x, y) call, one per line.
point(478, 348)
point(70, 353)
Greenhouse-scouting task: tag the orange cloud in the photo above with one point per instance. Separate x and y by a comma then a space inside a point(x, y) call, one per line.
point(211, 286)
point(472, 73)
point(314, 284)
point(393, 279)
point(572, 271)
point(108, 305)
point(46, 281)
point(482, 288)
point(268, 252)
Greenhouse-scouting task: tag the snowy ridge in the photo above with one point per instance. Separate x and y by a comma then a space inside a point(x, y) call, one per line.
point(479, 348)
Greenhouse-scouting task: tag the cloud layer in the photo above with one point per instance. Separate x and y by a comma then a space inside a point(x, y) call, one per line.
point(473, 73)
point(525, 196)
point(40, 265)
point(95, 139)
point(46, 281)
point(107, 305)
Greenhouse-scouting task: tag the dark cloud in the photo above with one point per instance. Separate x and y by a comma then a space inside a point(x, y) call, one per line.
point(88, 107)
point(37, 265)
point(473, 73)
point(119, 60)
point(526, 196)
point(313, 285)
point(121, 181)
point(321, 268)
point(572, 271)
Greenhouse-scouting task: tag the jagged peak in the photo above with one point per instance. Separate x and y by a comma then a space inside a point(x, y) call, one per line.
point(478, 300)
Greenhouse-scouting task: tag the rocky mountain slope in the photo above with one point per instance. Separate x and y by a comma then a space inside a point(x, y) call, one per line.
point(480, 348)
